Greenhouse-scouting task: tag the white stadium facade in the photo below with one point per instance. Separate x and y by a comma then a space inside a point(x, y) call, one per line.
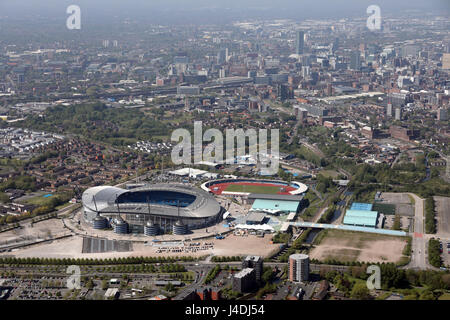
point(162, 206)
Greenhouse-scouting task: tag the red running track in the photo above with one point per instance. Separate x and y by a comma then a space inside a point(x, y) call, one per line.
point(220, 187)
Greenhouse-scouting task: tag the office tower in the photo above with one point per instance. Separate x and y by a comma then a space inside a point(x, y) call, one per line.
point(283, 92)
point(389, 110)
point(305, 60)
point(305, 71)
point(221, 56)
point(298, 267)
point(222, 73)
point(329, 89)
point(172, 70)
point(115, 43)
point(335, 45)
point(398, 114)
point(105, 43)
point(355, 60)
point(300, 42)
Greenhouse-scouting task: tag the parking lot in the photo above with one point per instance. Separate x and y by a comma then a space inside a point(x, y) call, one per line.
point(445, 252)
point(443, 215)
point(46, 288)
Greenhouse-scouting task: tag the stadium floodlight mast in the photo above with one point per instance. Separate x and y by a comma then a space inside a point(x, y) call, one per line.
point(182, 152)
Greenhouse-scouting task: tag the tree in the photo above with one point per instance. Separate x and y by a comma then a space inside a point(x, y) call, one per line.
point(267, 275)
point(169, 287)
point(396, 225)
point(4, 198)
point(90, 284)
point(104, 285)
point(427, 295)
point(360, 291)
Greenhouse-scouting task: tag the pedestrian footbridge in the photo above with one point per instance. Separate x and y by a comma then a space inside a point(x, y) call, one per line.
point(342, 227)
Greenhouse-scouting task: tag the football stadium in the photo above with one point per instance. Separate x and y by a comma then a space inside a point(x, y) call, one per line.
point(245, 187)
point(151, 209)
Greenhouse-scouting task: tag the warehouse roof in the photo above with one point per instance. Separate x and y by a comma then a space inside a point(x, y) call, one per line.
point(361, 218)
point(361, 206)
point(255, 217)
point(362, 213)
point(275, 205)
point(285, 197)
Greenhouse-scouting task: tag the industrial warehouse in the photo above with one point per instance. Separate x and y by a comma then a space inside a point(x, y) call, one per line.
point(152, 209)
point(361, 214)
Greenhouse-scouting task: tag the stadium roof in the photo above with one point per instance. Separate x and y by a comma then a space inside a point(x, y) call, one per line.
point(204, 205)
point(275, 205)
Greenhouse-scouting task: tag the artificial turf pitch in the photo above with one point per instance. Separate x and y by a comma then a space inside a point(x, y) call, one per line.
point(253, 189)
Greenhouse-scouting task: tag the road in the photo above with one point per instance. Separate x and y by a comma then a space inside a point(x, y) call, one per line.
point(419, 238)
point(418, 257)
point(443, 216)
point(196, 285)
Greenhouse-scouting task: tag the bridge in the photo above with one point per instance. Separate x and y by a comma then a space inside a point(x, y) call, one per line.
point(343, 227)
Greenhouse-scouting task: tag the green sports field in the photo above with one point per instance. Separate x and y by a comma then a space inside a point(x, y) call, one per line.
point(252, 189)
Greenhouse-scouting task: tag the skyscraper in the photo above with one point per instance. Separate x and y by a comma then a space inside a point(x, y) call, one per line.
point(305, 71)
point(221, 56)
point(389, 110)
point(355, 60)
point(300, 42)
point(398, 114)
point(335, 45)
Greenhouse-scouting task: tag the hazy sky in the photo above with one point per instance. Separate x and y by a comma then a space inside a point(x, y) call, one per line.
point(213, 10)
